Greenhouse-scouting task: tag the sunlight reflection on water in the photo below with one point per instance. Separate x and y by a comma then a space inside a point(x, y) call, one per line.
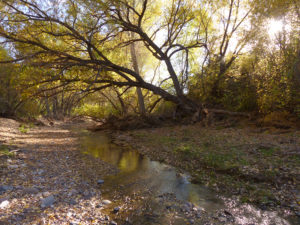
point(138, 171)
point(136, 168)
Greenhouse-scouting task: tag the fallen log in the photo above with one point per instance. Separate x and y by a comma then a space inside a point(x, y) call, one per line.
point(220, 111)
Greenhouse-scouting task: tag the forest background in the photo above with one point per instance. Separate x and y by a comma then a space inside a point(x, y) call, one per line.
point(102, 58)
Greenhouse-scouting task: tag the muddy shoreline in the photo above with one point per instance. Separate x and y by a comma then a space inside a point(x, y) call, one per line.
point(269, 179)
point(48, 180)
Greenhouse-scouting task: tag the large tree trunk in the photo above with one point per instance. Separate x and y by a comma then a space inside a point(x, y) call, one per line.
point(47, 107)
point(223, 67)
point(54, 107)
point(123, 105)
point(141, 103)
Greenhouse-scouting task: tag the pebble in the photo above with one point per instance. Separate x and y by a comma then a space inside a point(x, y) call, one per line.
point(40, 172)
point(12, 166)
point(72, 192)
point(72, 202)
point(46, 202)
point(106, 202)
point(185, 208)
point(4, 188)
point(46, 193)
point(86, 193)
point(31, 190)
point(100, 181)
point(116, 209)
point(98, 206)
point(4, 204)
point(189, 204)
point(39, 195)
point(23, 176)
point(222, 219)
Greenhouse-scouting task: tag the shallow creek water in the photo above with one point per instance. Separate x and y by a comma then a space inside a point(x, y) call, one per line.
point(138, 175)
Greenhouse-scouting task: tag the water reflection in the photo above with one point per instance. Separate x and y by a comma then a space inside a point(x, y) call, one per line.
point(138, 171)
point(100, 147)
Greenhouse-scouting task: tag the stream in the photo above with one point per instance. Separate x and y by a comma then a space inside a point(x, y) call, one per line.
point(150, 192)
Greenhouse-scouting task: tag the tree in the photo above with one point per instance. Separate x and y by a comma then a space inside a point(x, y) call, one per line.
point(227, 27)
point(14, 99)
point(141, 102)
point(85, 34)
